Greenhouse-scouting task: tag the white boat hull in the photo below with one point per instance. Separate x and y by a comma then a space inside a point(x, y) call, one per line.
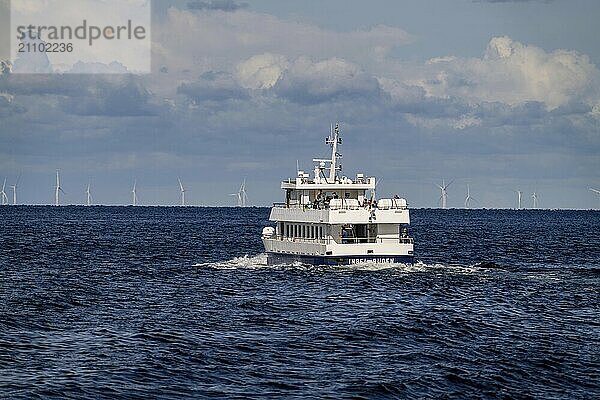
point(281, 259)
point(317, 253)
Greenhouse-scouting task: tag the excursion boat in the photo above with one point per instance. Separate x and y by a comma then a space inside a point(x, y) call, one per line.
point(331, 219)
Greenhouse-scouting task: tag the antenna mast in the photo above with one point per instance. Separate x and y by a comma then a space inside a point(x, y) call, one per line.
point(333, 142)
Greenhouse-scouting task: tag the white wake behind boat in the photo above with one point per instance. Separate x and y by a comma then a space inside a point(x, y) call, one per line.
point(334, 220)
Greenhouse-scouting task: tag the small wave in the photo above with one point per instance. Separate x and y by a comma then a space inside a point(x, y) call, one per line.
point(245, 262)
point(416, 267)
point(259, 261)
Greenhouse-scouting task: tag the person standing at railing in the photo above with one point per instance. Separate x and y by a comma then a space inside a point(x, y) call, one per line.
point(319, 200)
point(404, 233)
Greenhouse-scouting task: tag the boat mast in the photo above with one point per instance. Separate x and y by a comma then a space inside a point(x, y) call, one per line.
point(334, 141)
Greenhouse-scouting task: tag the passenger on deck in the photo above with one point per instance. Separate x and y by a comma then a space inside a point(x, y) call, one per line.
point(319, 200)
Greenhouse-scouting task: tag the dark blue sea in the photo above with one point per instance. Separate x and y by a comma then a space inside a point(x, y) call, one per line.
point(148, 302)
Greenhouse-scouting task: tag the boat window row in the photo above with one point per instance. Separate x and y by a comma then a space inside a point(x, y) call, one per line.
point(303, 231)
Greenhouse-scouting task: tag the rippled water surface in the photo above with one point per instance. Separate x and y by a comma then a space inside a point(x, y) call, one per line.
point(108, 302)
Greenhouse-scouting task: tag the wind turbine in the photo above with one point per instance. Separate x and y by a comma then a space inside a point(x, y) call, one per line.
point(469, 197)
point(134, 193)
point(534, 197)
point(519, 195)
point(444, 196)
point(3, 194)
point(242, 197)
point(89, 195)
point(58, 190)
point(14, 188)
point(593, 190)
point(182, 189)
point(243, 193)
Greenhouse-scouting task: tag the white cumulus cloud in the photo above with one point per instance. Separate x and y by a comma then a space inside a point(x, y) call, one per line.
point(308, 62)
point(306, 80)
point(261, 71)
point(511, 72)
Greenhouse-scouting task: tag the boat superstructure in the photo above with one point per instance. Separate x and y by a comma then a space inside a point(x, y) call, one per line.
point(330, 219)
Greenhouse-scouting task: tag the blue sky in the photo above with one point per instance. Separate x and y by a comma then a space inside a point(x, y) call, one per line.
point(502, 95)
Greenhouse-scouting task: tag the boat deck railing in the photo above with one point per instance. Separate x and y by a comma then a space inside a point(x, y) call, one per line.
point(342, 206)
point(346, 240)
